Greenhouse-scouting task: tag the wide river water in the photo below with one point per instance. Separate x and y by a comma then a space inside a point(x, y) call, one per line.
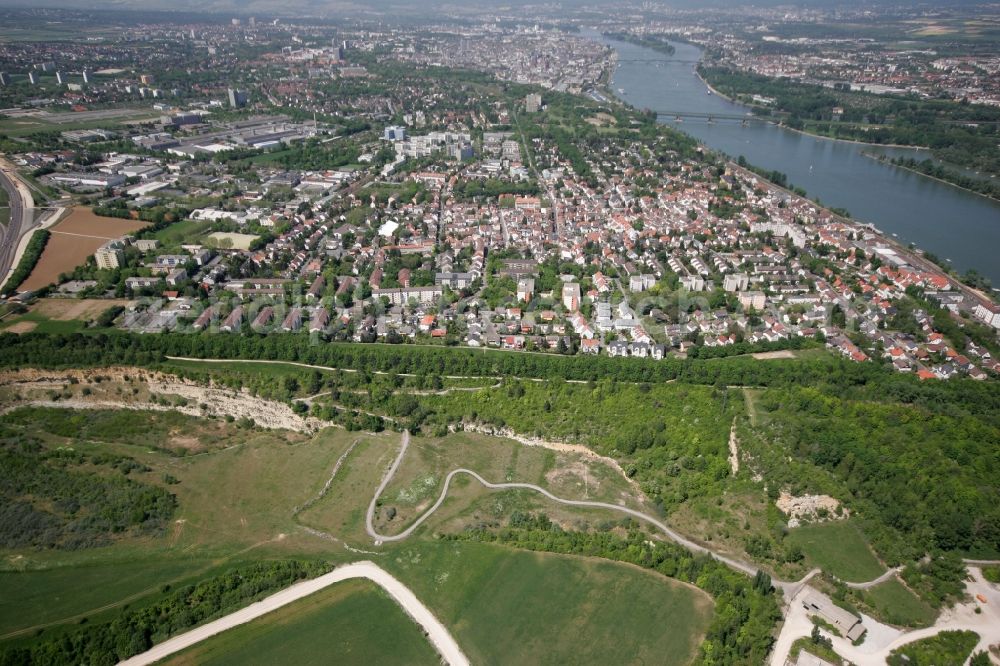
point(952, 223)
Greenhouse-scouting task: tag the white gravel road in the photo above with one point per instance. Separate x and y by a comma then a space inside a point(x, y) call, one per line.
point(436, 632)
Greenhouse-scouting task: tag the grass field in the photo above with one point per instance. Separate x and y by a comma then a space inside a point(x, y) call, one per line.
point(838, 548)
point(895, 604)
point(514, 607)
point(33, 321)
point(419, 479)
point(234, 505)
point(58, 315)
point(353, 622)
point(503, 606)
point(14, 127)
point(237, 502)
point(81, 589)
point(182, 232)
point(146, 430)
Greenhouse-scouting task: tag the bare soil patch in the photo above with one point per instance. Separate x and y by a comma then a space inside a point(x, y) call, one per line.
point(783, 353)
point(21, 327)
point(154, 391)
point(236, 241)
point(72, 241)
point(816, 508)
point(68, 309)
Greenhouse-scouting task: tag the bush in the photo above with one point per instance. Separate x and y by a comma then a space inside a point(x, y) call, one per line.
point(32, 253)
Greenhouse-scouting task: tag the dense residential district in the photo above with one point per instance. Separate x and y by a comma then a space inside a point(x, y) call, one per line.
point(474, 186)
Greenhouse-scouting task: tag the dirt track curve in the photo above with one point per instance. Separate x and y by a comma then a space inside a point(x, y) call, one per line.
point(789, 587)
point(439, 636)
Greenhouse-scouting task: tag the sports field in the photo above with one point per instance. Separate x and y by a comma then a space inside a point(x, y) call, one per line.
point(226, 240)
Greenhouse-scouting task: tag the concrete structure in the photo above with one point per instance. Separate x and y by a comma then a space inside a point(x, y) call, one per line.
point(88, 179)
point(525, 289)
point(641, 282)
point(233, 321)
point(111, 255)
point(571, 296)
point(237, 98)
point(847, 623)
point(736, 282)
point(989, 313)
point(394, 133)
point(405, 295)
point(533, 103)
point(752, 299)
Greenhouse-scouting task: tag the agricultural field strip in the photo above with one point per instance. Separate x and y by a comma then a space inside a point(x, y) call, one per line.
point(439, 636)
point(70, 233)
point(83, 615)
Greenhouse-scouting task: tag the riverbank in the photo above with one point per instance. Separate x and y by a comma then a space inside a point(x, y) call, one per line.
point(915, 259)
point(881, 160)
point(830, 169)
point(798, 131)
point(716, 92)
point(900, 146)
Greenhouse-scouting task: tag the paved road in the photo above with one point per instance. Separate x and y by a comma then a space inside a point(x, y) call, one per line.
point(21, 217)
point(436, 632)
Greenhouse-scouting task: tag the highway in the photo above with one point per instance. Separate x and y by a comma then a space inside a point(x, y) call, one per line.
point(21, 217)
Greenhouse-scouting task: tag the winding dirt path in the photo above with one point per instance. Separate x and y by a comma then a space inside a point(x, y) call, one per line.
point(789, 588)
point(872, 583)
point(738, 565)
point(439, 636)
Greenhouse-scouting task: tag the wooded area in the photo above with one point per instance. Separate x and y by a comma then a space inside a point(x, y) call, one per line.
point(68, 500)
point(957, 132)
point(135, 631)
point(32, 253)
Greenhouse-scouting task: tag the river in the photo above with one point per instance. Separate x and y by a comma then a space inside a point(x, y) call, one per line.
point(952, 223)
